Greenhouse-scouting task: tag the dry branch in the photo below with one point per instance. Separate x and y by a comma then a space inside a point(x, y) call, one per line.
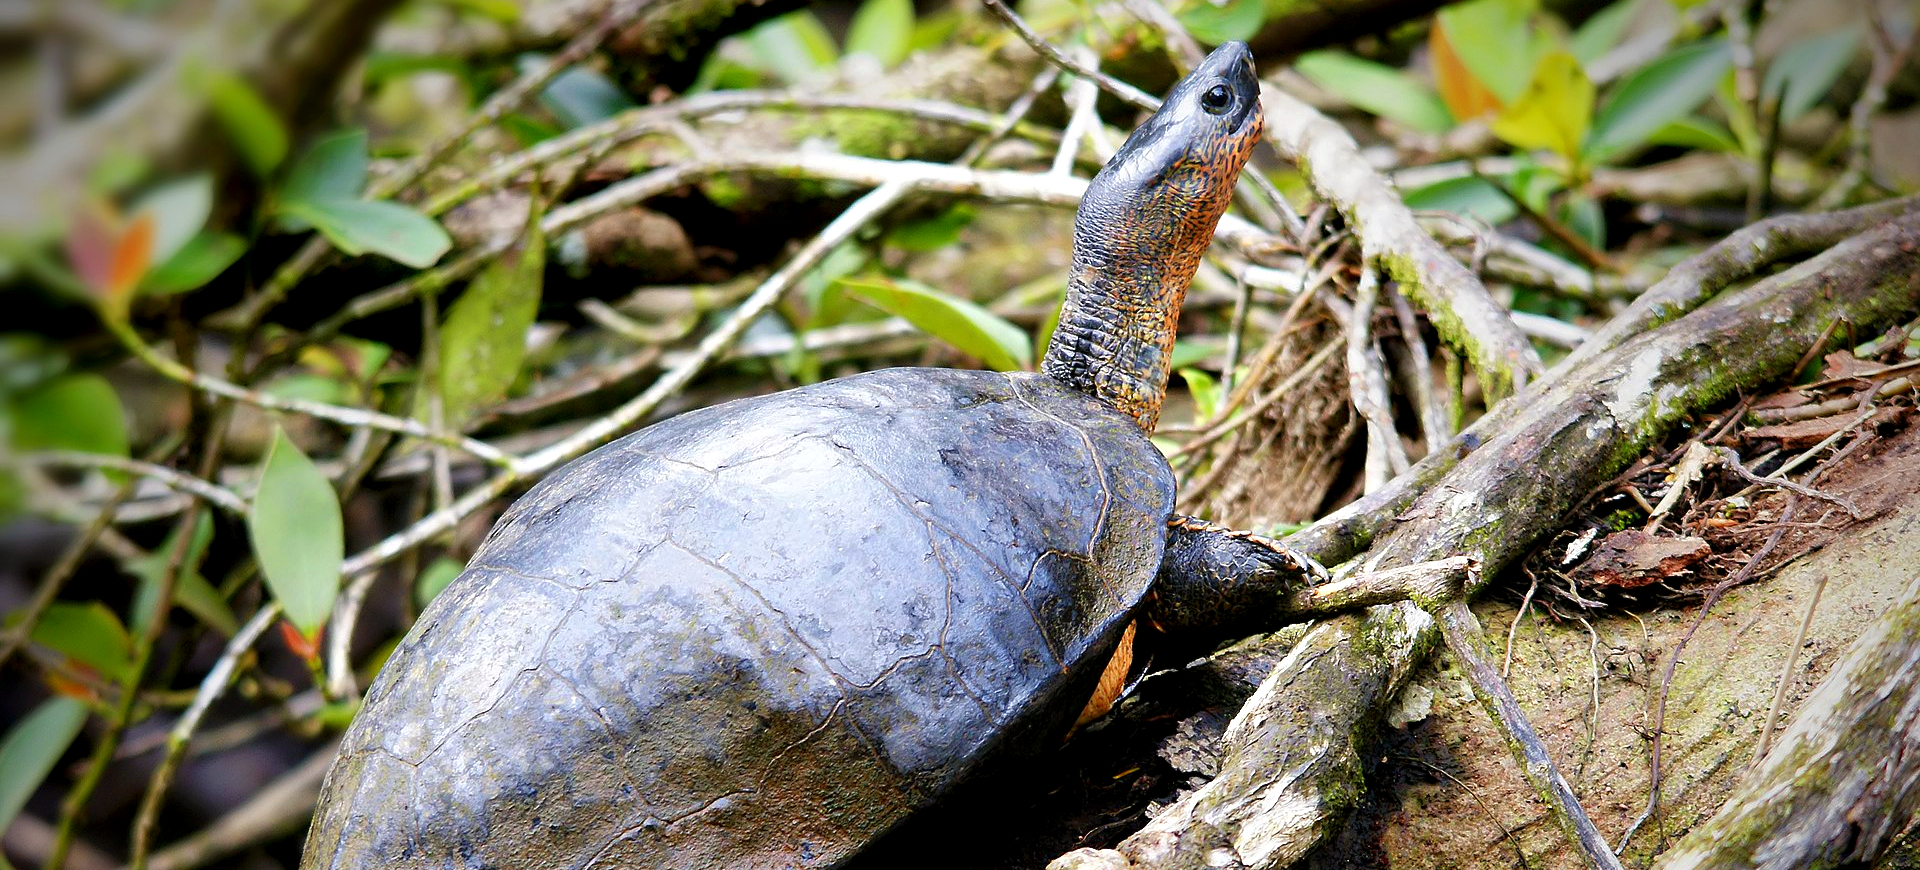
point(1391, 240)
point(1567, 436)
point(1464, 640)
point(1350, 530)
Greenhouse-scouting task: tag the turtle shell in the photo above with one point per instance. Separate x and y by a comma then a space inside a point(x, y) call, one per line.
point(758, 634)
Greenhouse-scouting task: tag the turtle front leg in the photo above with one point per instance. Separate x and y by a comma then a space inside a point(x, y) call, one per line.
point(1215, 578)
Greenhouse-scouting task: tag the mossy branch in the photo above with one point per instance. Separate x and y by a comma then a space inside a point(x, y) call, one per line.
point(1391, 240)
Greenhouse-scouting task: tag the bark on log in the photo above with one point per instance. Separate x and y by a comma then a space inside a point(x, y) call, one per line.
point(1567, 435)
point(1393, 242)
point(1845, 779)
point(1349, 531)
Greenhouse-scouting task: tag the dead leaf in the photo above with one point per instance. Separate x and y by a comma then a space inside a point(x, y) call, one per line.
point(1783, 399)
point(1635, 558)
point(1843, 364)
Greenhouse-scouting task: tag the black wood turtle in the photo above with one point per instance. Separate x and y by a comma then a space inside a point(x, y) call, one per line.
point(760, 634)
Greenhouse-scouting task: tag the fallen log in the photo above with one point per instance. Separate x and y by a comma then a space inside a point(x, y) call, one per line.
point(1566, 435)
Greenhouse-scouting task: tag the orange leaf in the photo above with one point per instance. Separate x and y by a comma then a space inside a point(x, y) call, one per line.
point(90, 245)
point(1464, 95)
point(132, 256)
point(70, 688)
point(305, 647)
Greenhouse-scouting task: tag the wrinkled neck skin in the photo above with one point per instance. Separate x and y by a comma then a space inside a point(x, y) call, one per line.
point(1131, 268)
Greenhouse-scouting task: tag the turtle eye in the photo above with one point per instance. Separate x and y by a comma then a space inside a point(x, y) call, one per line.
point(1216, 99)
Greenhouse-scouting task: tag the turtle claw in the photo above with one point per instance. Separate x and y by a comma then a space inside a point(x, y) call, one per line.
point(1293, 562)
point(1212, 576)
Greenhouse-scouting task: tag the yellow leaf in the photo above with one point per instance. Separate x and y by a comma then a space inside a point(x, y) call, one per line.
point(1555, 110)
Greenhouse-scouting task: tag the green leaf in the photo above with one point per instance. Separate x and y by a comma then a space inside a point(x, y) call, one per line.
point(296, 533)
point(190, 590)
point(71, 412)
point(502, 11)
point(1224, 21)
point(1582, 214)
point(312, 387)
point(1377, 88)
point(1493, 39)
point(484, 338)
point(392, 230)
point(1695, 132)
point(795, 46)
point(1190, 352)
point(935, 29)
point(1602, 31)
point(1804, 71)
point(972, 330)
point(1535, 185)
point(528, 131)
point(337, 715)
point(179, 211)
point(580, 95)
point(826, 302)
point(1466, 195)
point(31, 749)
point(199, 261)
point(334, 168)
point(1554, 111)
point(1205, 391)
point(883, 30)
point(1663, 91)
point(89, 634)
point(934, 233)
point(254, 126)
point(13, 494)
point(433, 579)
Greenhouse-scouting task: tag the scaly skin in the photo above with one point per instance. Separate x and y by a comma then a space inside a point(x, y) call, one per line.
point(1144, 224)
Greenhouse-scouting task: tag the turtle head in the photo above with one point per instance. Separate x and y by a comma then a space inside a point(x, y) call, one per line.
point(1143, 225)
point(1190, 151)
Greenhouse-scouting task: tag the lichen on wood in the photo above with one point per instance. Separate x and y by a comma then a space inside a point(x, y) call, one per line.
point(1567, 435)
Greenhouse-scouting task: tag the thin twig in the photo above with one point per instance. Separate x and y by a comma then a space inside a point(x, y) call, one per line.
point(1732, 459)
point(219, 496)
point(1060, 59)
point(1513, 628)
point(357, 417)
point(1786, 671)
point(24, 619)
point(317, 249)
point(211, 687)
point(1673, 660)
point(1367, 383)
point(1082, 94)
point(635, 123)
point(1011, 118)
point(1419, 374)
point(1462, 633)
point(1887, 389)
